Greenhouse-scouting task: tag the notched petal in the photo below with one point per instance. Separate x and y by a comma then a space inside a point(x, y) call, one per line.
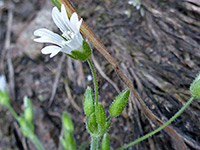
point(53, 50)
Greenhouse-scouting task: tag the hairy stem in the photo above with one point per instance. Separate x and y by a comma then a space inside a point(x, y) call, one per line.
point(95, 143)
point(94, 80)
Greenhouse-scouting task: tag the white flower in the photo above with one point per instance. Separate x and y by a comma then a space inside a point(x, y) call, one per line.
point(70, 40)
point(2, 83)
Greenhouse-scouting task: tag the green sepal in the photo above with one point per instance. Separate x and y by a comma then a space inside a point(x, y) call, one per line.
point(91, 123)
point(67, 122)
point(195, 87)
point(100, 115)
point(83, 53)
point(119, 103)
point(105, 144)
point(105, 128)
point(28, 109)
point(64, 144)
point(88, 104)
point(26, 128)
point(69, 140)
point(4, 98)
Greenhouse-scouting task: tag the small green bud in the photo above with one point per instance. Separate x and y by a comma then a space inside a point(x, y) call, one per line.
point(195, 87)
point(67, 122)
point(28, 109)
point(91, 123)
point(83, 53)
point(100, 115)
point(119, 103)
point(105, 145)
point(88, 102)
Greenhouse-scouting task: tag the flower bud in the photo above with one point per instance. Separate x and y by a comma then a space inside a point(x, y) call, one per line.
point(119, 103)
point(92, 124)
point(4, 96)
point(195, 87)
point(100, 115)
point(105, 145)
point(28, 109)
point(88, 102)
point(83, 53)
point(67, 122)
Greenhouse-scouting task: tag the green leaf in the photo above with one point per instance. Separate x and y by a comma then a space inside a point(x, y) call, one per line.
point(119, 103)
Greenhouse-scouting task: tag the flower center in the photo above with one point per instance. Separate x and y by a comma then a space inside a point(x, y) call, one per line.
point(68, 35)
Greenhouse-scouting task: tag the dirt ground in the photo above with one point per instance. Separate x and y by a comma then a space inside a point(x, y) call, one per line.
point(159, 52)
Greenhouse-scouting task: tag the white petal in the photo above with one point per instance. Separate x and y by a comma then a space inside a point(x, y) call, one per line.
point(47, 36)
point(2, 83)
point(75, 24)
point(79, 38)
point(79, 24)
point(58, 19)
point(53, 50)
point(65, 17)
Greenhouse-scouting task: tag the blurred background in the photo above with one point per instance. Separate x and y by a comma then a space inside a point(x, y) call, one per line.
point(156, 44)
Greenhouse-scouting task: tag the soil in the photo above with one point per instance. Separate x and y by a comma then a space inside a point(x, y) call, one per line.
point(159, 52)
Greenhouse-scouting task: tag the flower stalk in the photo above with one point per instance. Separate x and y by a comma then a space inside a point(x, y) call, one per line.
point(161, 127)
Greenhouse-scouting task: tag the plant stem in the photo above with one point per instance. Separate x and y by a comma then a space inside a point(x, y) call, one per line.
point(12, 111)
point(94, 80)
point(36, 142)
point(161, 127)
point(95, 143)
